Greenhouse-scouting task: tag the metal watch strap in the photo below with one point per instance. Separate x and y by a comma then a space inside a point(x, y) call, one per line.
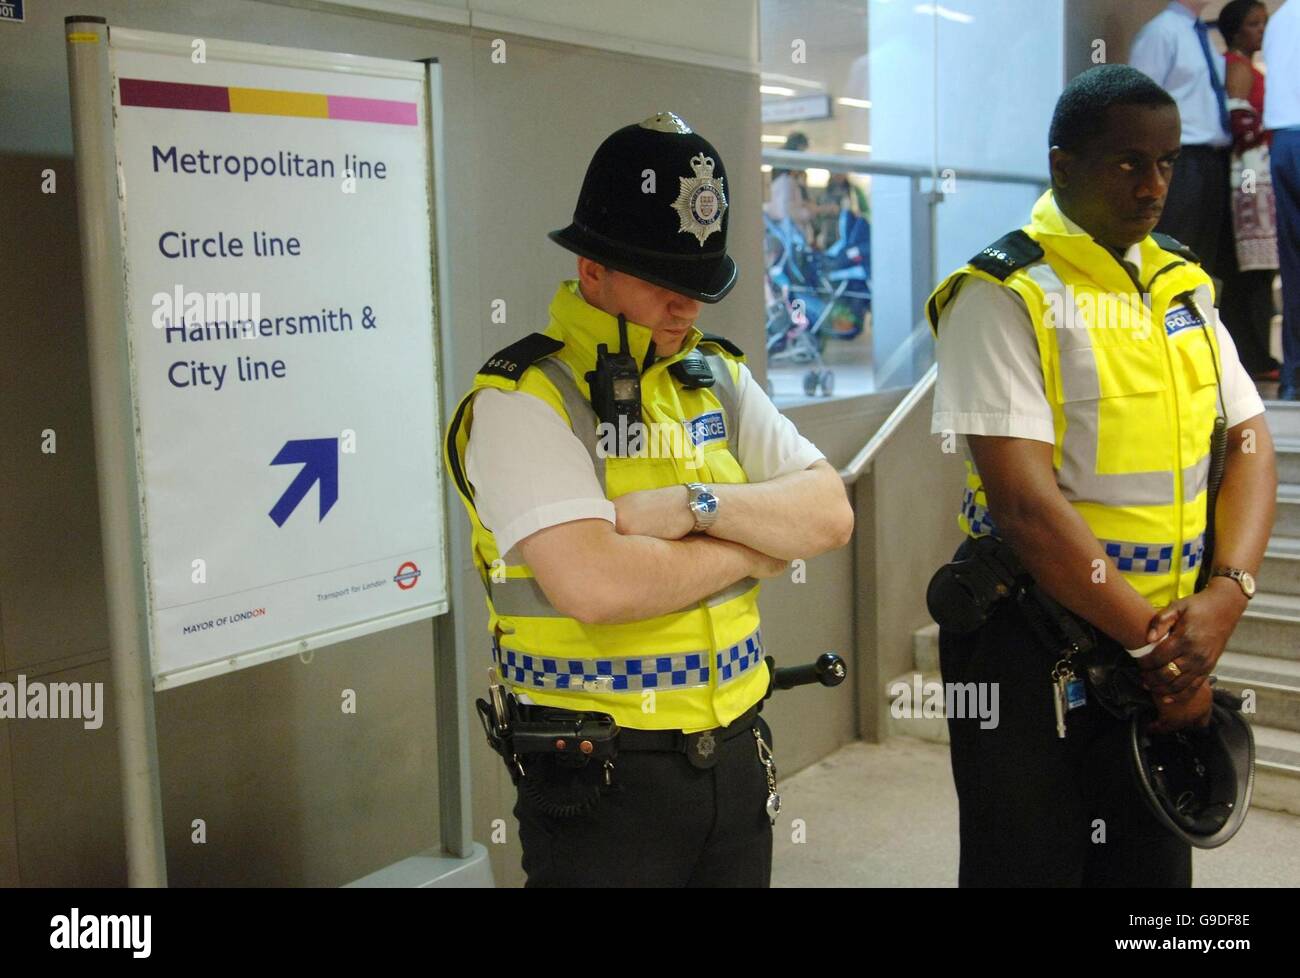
point(1236, 574)
point(702, 520)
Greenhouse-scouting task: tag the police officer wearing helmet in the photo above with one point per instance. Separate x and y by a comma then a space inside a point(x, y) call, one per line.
point(628, 485)
point(1082, 360)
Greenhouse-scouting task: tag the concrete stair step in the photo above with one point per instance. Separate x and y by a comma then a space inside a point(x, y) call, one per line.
point(1270, 686)
point(1280, 572)
point(925, 649)
point(1283, 417)
point(1287, 523)
point(1277, 770)
point(1288, 460)
point(907, 718)
point(1270, 627)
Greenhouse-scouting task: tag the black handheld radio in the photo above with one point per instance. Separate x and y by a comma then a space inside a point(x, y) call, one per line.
point(615, 384)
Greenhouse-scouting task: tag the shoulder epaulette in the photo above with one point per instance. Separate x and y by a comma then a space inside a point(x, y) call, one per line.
point(723, 342)
point(1007, 254)
point(1170, 243)
point(512, 361)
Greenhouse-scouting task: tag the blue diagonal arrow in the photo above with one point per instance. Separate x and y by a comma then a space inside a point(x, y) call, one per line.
point(320, 458)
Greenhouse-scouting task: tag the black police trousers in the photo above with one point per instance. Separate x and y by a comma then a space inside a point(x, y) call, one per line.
point(1035, 809)
point(665, 824)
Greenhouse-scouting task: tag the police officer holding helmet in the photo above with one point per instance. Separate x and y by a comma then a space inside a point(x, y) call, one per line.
point(1113, 524)
point(628, 485)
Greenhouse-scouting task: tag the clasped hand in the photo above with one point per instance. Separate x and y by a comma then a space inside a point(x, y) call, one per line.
point(1196, 629)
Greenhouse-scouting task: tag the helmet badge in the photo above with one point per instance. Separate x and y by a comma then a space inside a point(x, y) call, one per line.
point(701, 201)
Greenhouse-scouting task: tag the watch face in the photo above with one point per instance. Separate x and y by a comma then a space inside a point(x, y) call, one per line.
point(1248, 583)
point(707, 502)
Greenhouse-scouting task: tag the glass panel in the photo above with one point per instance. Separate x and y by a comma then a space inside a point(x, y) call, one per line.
point(869, 106)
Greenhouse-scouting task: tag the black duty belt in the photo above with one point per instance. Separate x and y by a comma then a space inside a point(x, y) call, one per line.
point(700, 747)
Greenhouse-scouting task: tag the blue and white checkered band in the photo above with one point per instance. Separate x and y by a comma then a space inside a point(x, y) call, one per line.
point(981, 523)
point(632, 674)
point(740, 657)
point(1180, 318)
point(706, 428)
point(1153, 558)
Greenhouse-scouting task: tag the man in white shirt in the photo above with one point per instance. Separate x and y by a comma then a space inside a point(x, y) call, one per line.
point(1282, 115)
point(1173, 49)
point(1087, 436)
point(622, 568)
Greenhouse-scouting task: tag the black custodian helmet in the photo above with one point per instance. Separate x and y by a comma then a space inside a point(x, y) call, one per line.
point(654, 205)
point(1198, 782)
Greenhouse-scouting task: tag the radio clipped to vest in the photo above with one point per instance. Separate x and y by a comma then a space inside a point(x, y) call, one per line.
point(1218, 453)
point(692, 371)
point(615, 384)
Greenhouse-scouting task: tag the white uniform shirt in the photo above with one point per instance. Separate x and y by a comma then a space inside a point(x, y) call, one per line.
point(530, 471)
point(991, 377)
point(1282, 57)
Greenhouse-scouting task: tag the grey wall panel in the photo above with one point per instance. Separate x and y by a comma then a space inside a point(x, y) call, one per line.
point(801, 620)
point(914, 491)
point(294, 791)
point(67, 798)
point(8, 830)
point(51, 579)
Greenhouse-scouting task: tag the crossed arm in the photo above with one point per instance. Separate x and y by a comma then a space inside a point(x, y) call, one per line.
point(649, 562)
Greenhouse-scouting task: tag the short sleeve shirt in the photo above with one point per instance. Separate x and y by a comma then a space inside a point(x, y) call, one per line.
point(530, 471)
point(991, 377)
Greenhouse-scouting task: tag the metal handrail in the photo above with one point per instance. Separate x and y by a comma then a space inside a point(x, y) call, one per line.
point(862, 461)
point(799, 160)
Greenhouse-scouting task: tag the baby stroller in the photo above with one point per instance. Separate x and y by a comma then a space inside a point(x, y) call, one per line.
point(848, 260)
point(800, 300)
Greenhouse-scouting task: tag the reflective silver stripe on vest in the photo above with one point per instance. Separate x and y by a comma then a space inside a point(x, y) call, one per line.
point(582, 417)
point(1078, 477)
point(523, 597)
point(520, 597)
point(631, 674)
point(1196, 479)
point(724, 389)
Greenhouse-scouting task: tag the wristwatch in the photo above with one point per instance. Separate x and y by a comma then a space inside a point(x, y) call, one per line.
point(1245, 579)
point(704, 504)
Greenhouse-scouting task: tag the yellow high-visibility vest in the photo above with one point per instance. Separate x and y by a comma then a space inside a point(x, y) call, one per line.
point(692, 669)
point(1130, 368)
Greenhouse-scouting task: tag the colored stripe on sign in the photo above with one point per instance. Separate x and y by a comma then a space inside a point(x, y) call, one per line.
point(264, 101)
point(372, 110)
point(173, 95)
point(145, 93)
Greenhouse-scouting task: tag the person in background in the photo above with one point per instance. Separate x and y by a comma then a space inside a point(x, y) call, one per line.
point(789, 195)
point(1247, 303)
point(1282, 117)
point(1174, 51)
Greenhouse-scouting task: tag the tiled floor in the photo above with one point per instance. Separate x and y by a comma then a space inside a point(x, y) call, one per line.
point(886, 815)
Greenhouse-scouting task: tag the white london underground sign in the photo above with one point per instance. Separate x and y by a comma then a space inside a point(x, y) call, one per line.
point(279, 295)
